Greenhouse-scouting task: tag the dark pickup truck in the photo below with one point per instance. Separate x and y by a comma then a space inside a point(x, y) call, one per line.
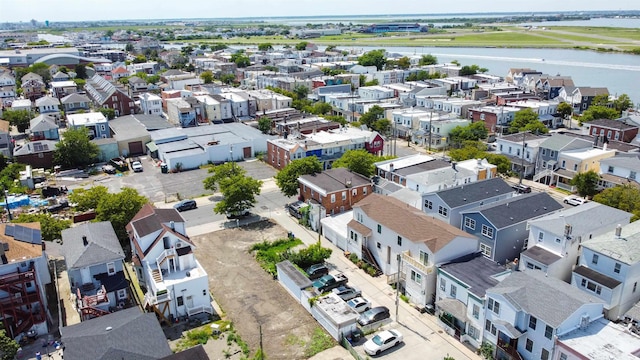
point(329, 282)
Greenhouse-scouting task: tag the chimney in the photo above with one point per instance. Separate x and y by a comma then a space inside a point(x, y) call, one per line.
point(391, 167)
point(618, 231)
point(453, 165)
point(85, 242)
point(172, 225)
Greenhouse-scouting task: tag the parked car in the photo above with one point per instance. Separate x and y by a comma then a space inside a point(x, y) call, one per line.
point(574, 200)
point(137, 166)
point(374, 315)
point(237, 214)
point(317, 271)
point(347, 293)
point(109, 169)
point(522, 189)
point(185, 205)
point(329, 282)
point(359, 304)
point(383, 341)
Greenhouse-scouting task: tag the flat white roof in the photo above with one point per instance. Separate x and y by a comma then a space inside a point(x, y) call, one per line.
point(21, 103)
point(66, 83)
point(404, 162)
point(603, 340)
point(583, 154)
point(86, 118)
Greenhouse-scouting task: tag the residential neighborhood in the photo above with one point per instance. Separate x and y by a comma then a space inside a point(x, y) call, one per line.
point(198, 200)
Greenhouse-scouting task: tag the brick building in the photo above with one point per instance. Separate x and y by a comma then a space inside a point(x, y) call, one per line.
point(336, 189)
point(618, 130)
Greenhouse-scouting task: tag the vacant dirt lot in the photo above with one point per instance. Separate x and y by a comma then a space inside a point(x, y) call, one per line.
point(249, 296)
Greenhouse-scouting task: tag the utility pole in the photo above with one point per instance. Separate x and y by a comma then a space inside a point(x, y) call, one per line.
point(398, 287)
point(524, 145)
point(6, 201)
point(430, 114)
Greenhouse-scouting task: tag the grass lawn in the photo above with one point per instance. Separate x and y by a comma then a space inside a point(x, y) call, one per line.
point(626, 33)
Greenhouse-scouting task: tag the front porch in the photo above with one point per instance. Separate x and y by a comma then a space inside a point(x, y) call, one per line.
point(452, 314)
point(507, 346)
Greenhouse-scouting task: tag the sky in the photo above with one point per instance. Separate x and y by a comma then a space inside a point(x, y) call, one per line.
point(80, 10)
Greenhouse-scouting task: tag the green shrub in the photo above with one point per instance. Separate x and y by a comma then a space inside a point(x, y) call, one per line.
point(314, 254)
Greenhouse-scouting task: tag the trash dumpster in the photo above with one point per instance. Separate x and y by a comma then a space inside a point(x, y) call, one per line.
point(164, 168)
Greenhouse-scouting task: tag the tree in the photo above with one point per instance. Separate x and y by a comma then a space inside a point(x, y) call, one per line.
point(383, 126)
point(521, 119)
point(624, 197)
point(287, 178)
point(359, 161)
point(502, 162)
point(265, 47)
point(228, 78)
point(79, 82)
point(9, 175)
point(8, 347)
point(139, 59)
point(586, 183)
point(217, 47)
point(88, 199)
point(240, 59)
point(565, 110)
point(536, 128)
point(321, 108)
point(50, 227)
point(370, 117)
point(598, 112)
point(264, 124)
point(81, 71)
point(301, 92)
point(469, 150)
point(128, 47)
point(109, 113)
point(428, 60)
point(302, 45)
point(75, 149)
point(473, 131)
point(108, 33)
point(373, 82)
point(375, 58)
point(18, 118)
point(330, 48)
point(622, 103)
point(469, 70)
point(600, 100)
point(403, 63)
point(119, 209)
point(221, 172)
point(207, 77)
point(239, 193)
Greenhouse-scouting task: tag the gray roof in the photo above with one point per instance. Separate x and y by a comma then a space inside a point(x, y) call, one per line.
point(547, 298)
point(43, 122)
point(35, 147)
point(336, 179)
point(126, 334)
point(626, 249)
point(584, 219)
point(517, 209)
point(475, 271)
point(631, 162)
point(47, 100)
point(474, 192)
point(558, 142)
point(75, 98)
point(194, 353)
point(596, 276)
point(422, 167)
point(614, 124)
point(127, 127)
point(150, 122)
point(153, 222)
point(527, 137)
point(103, 245)
point(541, 255)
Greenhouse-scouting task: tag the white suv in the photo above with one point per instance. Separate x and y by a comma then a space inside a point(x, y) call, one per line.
point(574, 200)
point(136, 166)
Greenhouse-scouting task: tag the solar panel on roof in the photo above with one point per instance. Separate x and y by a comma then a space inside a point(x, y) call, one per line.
point(8, 230)
point(28, 235)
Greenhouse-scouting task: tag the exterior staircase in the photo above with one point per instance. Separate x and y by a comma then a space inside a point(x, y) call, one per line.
point(542, 174)
point(157, 275)
point(368, 257)
point(91, 312)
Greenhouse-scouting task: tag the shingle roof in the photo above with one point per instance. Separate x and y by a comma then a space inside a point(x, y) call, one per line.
point(600, 278)
point(557, 142)
point(476, 271)
point(631, 162)
point(151, 219)
point(42, 122)
point(547, 298)
point(103, 245)
point(470, 193)
point(194, 353)
point(613, 124)
point(541, 255)
point(626, 249)
point(75, 98)
point(20, 250)
point(409, 222)
point(47, 100)
point(126, 334)
point(363, 230)
point(515, 210)
point(336, 179)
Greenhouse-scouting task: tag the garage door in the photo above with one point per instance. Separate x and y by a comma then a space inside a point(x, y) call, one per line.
point(136, 148)
point(246, 152)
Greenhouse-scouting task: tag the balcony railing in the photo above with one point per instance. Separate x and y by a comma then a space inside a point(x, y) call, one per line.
point(151, 299)
point(425, 269)
point(510, 349)
point(92, 300)
point(200, 309)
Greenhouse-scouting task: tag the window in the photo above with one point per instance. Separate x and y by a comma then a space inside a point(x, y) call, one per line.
point(424, 258)
point(594, 259)
point(344, 195)
point(545, 354)
point(616, 268)
point(487, 231)
point(443, 284)
point(354, 192)
point(443, 211)
point(532, 322)
point(333, 198)
point(593, 131)
point(476, 311)
point(364, 190)
point(122, 294)
point(544, 151)
point(180, 300)
point(454, 291)
point(378, 245)
point(635, 285)
point(563, 356)
point(609, 134)
point(529, 345)
point(204, 292)
point(428, 204)
point(548, 332)
point(473, 332)
point(494, 306)
point(591, 286)
point(379, 229)
point(564, 164)
point(470, 223)
point(540, 236)
point(399, 240)
point(111, 268)
point(486, 250)
point(416, 277)
point(552, 153)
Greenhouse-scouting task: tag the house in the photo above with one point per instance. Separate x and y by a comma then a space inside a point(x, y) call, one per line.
point(48, 105)
point(33, 86)
point(38, 154)
point(601, 339)
point(522, 150)
point(194, 353)
point(105, 94)
point(618, 130)
point(181, 113)
point(621, 169)
point(495, 118)
point(6, 143)
point(554, 239)
point(526, 311)
point(582, 96)
point(162, 254)
point(573, 162)
point(21, 105)
point(74, 103)
point(44, 127)
point(375, 92)
point(95, 122)
point(131, 134)
point(549, 151)
point(137, 86)
point(60, 76)
point(609, 269)
point(60, 89)
point(448, 204)
point(438, 178)
point(335, 189)
point(397, 170)
point(24, 275)
point(502, 226)
point(460, 295)
point(120, 72)
point(217, 109)
point(127, 334)
point(151, 104)
point(7, 88)
point(95, 266)
point(397, 238)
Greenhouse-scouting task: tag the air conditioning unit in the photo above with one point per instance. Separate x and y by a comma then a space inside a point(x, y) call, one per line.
point(178, 244)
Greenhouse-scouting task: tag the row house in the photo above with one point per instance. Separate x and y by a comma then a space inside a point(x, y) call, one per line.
point(572, 162)
point(111, 54)
point(33, 86)
point(609, 269)
point(399, 239)
point(288, 83)
point(549, 87)
point(151, 104)
point(397, 170)
point(555, 239)
point(6, 141)
point(75, 103)
point(217, 109)
point(305, 125)
point(449, 204)
point(327, 146)
point(385, 77)
point(549, 152)
point(165, 264)
point(618, 130)
point(516, 75)
point(622, 169)
point(269, 100)
point(526, 311)
point(434, 132)
point(407, 120)
point(522, 150)
point(174, 94)
point(495, 118)
point(443, 177)
point(95, 265)
point(7, 88)
point(545, 110)
point(181, 112)
point(149, 68)
point(506, 98)
point(48, 105)
point(502, 226)
point(581, 97)
point(243, 106)
point(375, 92)
point(426, 95)
point(182, 81)
point(60, 89)
point(105, 94)
point(336, 190)
point(601, 339)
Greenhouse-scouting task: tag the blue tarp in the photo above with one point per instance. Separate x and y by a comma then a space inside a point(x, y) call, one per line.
point(23, 200)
